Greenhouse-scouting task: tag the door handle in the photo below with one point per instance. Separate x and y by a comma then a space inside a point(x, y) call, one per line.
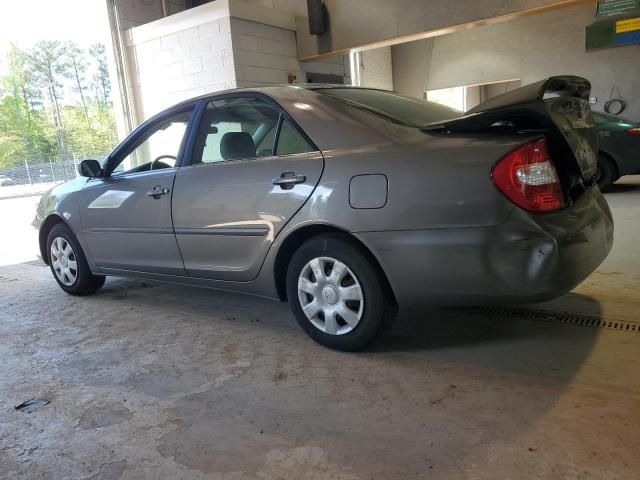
point(288, 180)
point(158, 191)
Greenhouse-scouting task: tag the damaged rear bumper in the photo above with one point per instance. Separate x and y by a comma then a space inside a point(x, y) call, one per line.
point(527, 258)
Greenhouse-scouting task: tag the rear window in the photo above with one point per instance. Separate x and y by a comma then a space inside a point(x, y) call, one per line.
point(391, 106)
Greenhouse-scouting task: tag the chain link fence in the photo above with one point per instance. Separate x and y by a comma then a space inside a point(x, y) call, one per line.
point(37, 176)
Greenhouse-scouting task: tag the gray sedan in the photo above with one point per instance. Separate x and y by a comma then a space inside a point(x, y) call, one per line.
point(347, 202)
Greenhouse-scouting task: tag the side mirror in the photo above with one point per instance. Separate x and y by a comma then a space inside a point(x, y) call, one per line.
point(90, 168)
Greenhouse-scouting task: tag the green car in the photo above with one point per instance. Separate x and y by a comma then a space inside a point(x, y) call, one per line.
point(618, 148)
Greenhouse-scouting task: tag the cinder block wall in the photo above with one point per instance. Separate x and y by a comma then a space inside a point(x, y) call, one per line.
point(181, 65)
point(172, 59)
point(264, 55)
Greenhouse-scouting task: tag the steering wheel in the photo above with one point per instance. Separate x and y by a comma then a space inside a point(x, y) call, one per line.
point(154, 164)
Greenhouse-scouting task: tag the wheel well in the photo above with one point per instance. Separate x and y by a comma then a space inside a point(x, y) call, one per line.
point(297, 238)
point(45, 228)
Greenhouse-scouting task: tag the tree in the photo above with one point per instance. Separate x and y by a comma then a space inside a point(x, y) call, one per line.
point(23, 125)
point(21, 138)
point(20, 81)
point(47, 61)
point(78, 68)
point(37, 120)
point(102, 84)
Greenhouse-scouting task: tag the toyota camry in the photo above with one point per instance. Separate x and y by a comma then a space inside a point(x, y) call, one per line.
point(346, 202)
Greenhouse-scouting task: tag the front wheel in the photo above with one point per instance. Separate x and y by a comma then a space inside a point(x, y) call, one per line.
point(69, 264)
point(336, 294)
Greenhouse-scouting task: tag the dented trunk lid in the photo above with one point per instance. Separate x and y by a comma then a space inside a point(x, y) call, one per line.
point(558, 108)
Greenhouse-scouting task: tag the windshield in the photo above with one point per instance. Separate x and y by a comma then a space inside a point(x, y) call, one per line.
point(392, 106)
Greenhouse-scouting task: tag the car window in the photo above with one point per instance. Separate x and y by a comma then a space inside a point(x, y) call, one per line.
point(265, 147)
point(159, 149)
point(291, 141)
point(392, 106)
point(244, 128)
point(235, 128)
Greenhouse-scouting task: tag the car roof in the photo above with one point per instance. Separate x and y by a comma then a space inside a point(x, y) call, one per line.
point(269, 89)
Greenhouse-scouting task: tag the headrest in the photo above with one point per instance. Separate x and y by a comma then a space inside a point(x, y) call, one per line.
point(237, 145)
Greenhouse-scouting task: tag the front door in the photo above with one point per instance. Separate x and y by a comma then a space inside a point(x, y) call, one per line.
point(126, 215)
point(252, 169)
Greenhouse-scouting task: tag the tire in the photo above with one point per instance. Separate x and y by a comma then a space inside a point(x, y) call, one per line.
point(311, 268)
point(607, 171)
point(70, 255)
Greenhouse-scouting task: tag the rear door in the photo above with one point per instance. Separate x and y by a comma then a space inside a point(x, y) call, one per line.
point(252, 168)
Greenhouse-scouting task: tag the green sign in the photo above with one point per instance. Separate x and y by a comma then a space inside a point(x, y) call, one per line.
point(601, 35)
point(613, 33)
point(616, 7)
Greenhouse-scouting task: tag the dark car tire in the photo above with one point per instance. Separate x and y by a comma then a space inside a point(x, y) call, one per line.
point(374, 309)
point(607, 171)
point(83, 282)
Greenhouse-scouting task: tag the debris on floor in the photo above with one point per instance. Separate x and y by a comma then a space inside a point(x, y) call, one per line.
point(31, 405)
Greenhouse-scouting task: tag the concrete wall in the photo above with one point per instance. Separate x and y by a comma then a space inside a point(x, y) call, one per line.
point(296, 7)
point(530, 48)
point(477, 94)
point(410, 66)
point(363, 23)
point(376, 69)
point(336, 65)
point(134, 13)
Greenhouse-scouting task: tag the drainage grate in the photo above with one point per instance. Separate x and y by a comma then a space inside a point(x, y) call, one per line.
point(556, 317)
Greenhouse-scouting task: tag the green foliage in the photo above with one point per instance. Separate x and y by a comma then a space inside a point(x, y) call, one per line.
point(99, 138)
point(48, 108)
point(101, 82)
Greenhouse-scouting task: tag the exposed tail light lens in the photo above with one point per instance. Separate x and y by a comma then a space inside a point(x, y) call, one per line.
point(634, 130)
point(528, 178)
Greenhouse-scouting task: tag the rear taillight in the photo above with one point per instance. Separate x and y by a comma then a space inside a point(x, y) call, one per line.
point(528, 178)
point(634, 130)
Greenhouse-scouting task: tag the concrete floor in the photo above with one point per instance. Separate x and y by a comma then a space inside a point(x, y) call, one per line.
point(157, 381)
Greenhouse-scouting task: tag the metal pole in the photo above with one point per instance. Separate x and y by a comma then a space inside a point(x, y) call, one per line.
point(51, 166)
point(121, 65)
point(26, 164)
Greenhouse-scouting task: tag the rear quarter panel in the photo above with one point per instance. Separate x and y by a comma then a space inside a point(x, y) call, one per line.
point(434, 180)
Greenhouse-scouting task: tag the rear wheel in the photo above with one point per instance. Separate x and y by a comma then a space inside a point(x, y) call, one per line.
point(607, 172)
point(69, 264)
point(336, 294)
